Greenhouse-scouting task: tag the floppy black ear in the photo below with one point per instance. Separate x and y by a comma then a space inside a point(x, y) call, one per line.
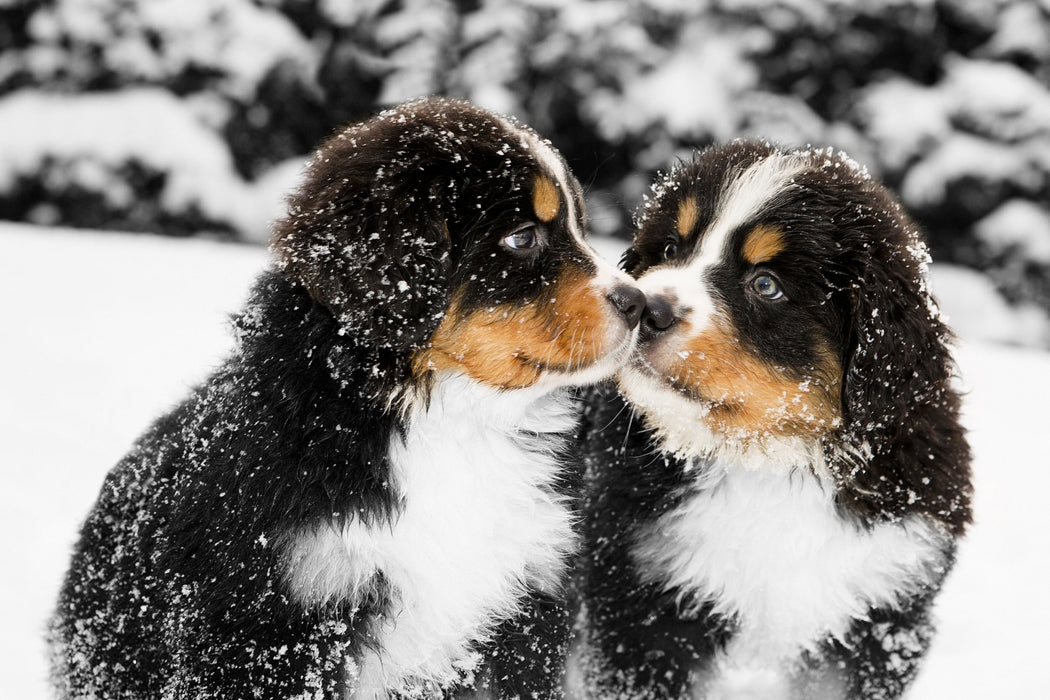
point(905, 450)
point(366, 236)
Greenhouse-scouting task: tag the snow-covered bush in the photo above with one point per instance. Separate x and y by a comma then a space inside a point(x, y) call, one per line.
point(135, 160)
point(948, 101)
point(100, 154)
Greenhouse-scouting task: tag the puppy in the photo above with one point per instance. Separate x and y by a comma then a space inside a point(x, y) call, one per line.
point(368, 499)
point(773, 510)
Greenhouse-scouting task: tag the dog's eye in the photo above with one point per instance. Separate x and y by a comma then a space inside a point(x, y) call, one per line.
point(524, 238)
point(670, 250)
point(767, 287)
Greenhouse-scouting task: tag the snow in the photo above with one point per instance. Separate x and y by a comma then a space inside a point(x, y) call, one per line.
point(1020, 224)
point(976, 311)
point(687, 102)
point(997, 99)
point(417, 33)
point(903, 118)
point(163, 38)
point(1021, 30)
point(349, 14)
point(147, 124)
point(94, 135)
point(993, 610)
point(104, 331)
point(984, 121)
point(964, 156)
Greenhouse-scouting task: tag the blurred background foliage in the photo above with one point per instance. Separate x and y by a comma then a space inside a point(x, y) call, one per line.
point(193, 117)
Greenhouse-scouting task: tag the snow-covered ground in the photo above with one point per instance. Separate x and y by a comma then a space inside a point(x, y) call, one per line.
point(101, 332)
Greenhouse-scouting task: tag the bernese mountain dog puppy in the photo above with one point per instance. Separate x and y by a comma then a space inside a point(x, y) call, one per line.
point(369, 498)
point(775, 500)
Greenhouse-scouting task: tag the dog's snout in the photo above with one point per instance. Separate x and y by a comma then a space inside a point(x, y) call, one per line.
point(629, 301)
point(657, 317)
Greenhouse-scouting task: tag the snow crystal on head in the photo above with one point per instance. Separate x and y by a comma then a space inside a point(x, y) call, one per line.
point(667, 182)
point(832, 161)
point(371, 232)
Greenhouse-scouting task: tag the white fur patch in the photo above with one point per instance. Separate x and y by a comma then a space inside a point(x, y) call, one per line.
point(480, 522)
point(767, 547)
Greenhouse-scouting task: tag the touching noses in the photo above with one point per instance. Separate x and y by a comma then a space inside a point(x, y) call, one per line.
point(655, 314)
point(657, 317)
point(629, 301)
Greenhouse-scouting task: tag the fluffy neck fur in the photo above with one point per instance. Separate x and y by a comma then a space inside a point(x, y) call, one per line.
point(773, 554)
point(480, 521)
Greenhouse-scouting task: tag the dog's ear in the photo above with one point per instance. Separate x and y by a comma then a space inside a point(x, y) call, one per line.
point(904, 446)
point(366, 236)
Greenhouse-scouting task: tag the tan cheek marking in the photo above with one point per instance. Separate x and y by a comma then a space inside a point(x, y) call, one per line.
point(749, 398)
point(545, 199)
point(511, 347)
point(482, 344)
point(687, 216)
point(763, 244)
point(581, 318)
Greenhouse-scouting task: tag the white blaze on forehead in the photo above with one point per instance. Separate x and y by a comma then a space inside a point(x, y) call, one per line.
point(740, 200)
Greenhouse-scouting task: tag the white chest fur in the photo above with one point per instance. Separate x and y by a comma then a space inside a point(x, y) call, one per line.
point(480, 522)
point(768, 548)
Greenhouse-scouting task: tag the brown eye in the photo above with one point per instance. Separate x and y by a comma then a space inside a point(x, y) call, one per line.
point(670, 250)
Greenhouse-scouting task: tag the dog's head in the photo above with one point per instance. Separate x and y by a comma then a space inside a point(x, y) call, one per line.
point(443, 237)
point(788, 308)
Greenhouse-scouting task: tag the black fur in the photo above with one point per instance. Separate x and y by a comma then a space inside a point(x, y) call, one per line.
point(175, 588)
point(852, 265)
point(638, 644)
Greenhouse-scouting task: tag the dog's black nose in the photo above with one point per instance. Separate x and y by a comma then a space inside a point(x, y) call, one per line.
point(629, 301)
point(657, 317)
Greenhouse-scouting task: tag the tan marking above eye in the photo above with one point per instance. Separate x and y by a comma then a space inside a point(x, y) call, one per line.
point(545, 198)
point(763, 243)
point(688, 213)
